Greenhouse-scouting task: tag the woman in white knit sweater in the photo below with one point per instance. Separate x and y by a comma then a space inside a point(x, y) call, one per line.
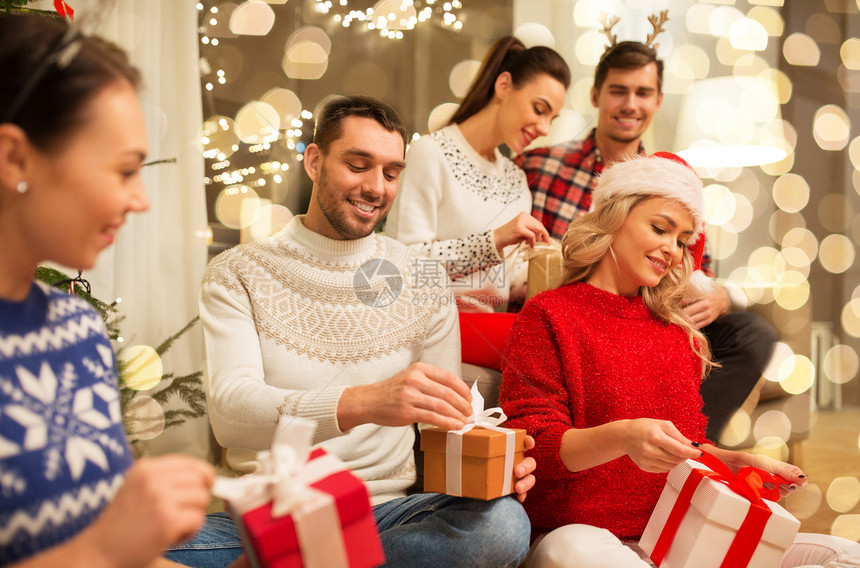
point(461, 201)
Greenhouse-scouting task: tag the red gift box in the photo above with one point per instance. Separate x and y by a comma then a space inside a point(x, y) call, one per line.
point(329, 524)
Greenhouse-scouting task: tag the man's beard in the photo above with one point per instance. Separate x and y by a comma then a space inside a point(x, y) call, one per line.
point(333, 210)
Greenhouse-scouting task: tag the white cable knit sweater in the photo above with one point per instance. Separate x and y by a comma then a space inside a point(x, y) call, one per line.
point(291, 321)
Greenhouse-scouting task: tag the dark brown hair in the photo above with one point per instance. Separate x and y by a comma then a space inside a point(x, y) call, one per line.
point(511, 55)
point(329, 120)
point(56, 104)
point(627, 55)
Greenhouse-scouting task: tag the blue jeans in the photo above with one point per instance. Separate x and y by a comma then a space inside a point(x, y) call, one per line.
point(426, 529)
point(430, 529)
point(215, 545)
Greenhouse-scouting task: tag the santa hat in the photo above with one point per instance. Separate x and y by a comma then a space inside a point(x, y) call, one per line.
point(668, 175)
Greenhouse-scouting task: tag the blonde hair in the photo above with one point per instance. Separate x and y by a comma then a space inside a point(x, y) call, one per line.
point(588, 240)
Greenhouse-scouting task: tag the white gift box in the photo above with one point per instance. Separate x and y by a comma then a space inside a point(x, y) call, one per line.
point(712, 523)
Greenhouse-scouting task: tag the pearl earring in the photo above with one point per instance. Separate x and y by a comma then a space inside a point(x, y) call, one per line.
point(23, 187)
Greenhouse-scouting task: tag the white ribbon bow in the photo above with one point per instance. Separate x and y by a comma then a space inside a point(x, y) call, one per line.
point(284, 477)
point(454, 444)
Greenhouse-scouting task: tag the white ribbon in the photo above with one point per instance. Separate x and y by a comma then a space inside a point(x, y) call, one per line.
point(454, 444)
point(284, 477)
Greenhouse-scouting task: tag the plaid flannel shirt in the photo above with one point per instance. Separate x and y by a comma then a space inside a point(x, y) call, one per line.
point(561, 179)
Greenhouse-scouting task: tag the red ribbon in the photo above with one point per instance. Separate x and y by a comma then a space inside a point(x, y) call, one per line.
point(64, 9)
point(748, 483)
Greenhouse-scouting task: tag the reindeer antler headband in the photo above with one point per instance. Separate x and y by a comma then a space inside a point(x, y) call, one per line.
point(657, 23)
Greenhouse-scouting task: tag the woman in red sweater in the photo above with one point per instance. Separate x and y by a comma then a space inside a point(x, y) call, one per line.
point(604, 372)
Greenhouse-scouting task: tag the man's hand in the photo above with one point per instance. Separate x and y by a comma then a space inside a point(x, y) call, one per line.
point(523, 471)
point(523, 227)
point(419, 393)
point(704, 311)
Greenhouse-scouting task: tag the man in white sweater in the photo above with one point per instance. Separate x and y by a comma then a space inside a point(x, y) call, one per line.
point(331, 321)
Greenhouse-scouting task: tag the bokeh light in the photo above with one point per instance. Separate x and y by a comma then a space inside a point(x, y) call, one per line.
point(836, 253)
point(800, 49)
point(790, 193)
point(257, 122)
point(440, 116)
point(719, 204)
point(769, 18)
point(850, 317)
point(843, 494)
point(772, 423)
point(462, 75)
point(532, 34)
point(831, 127)
point(686, 64)
point(781, 222)
point(748, 34)
point(743, 215)
point(850, 53)
point(721, 20)
point(142, 367)
point(286, 103)
point(774, 371)
point(586, 13)
point(801, 239)
point(252, 18)
point(589, 47)
point(804, 504)
point(231, 209)
point(698, 18)
point(854, 152)
point(801, 374)
point(792, 291)
point(773, 447)
point(306, 53)
point(737, 430)
point(846, 526)
point(841, 364)
point(784, 89)
point(218, 138)
point(144, 418)
point(721, 243)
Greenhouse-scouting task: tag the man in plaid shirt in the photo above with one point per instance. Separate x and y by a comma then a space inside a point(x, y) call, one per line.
point(627, 93)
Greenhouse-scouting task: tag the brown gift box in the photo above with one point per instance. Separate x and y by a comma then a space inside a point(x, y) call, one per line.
point(546, 265)
point(483, 461)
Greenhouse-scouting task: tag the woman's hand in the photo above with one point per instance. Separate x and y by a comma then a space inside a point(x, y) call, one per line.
point(656, 446)
point(163, 501)
point(521, 228)
point(523, 471)
point(795, 477)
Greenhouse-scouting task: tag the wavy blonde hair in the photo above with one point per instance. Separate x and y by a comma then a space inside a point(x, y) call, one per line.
point(588, 240)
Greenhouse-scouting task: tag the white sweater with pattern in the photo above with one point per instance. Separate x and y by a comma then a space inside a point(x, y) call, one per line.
point(450, 201)
point(293, 320)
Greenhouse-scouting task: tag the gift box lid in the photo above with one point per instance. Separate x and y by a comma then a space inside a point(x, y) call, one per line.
point(720, 504)
point(351, 500)
point(478, 442)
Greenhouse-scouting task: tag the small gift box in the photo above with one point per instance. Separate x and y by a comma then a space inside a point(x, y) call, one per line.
point(301, 509)
point(708, 517)
point(476, 461)
point(546, 266)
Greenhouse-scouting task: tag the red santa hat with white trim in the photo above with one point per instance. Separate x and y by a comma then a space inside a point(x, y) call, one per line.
point(663, 174)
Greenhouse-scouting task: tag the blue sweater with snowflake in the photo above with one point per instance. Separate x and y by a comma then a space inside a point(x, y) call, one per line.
point(63, 452)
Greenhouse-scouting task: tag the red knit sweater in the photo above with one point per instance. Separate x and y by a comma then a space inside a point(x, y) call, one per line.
point(578, 357)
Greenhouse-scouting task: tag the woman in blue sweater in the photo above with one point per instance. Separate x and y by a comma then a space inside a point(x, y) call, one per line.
point(72, 143)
